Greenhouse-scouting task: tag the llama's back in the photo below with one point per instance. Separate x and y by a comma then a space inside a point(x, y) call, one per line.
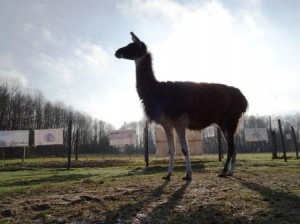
point(216, 97)
point(205, 103)
point(210, 103)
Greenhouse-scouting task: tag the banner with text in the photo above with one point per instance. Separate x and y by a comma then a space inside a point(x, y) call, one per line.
point(122, 137)
point(14, 138)
point(256, 134)
point(49, 137)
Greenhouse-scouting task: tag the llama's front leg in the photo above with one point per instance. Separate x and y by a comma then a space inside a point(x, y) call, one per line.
point(170, 138)
point(185, 150)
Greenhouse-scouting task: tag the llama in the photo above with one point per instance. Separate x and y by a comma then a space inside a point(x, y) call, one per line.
point(181, 105)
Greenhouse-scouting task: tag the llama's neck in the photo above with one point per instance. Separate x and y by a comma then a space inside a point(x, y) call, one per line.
point(145, 79)
point(138, 61)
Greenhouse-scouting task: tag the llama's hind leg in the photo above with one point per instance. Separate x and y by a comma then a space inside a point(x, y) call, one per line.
point(185, 150)
point(170, 138)
point(230, 154)
point(232, 165)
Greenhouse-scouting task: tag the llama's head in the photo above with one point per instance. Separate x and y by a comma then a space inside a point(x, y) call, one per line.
point(133, 50)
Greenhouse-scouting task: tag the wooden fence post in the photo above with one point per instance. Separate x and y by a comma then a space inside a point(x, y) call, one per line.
point(70, 144)
point(146, 145)
point(220, 145)
point(24, 155)
point(274, 144)
point(273, 140)
point(282, 140)
point(295, 142)
point(3, 156)
point(76, 144)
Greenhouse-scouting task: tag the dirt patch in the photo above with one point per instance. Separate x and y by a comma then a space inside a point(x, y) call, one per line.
point(74, 164)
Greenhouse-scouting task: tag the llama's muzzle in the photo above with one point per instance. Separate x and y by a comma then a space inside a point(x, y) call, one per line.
point(118, 55)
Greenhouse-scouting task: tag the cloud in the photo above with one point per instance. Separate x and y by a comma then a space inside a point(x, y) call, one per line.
point(91, 55)
point(208, 42)
point(200, 38)
point(82, 59)
point(40, 35)
point(79, 76)
point(9, 70)
point(151, 8)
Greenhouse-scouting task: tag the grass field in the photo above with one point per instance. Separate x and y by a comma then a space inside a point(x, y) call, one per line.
point(121, 190)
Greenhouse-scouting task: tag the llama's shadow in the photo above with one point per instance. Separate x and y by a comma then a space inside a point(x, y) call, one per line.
point(127, 212)
point(167, 207)
point(284, 206)
point(161, 207)
point(166, 210)
point(198, 167)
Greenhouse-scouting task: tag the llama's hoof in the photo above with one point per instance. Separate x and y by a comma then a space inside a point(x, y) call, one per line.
point(188, 176)
point(167, 178)
point(222, 175)
point(229, 174)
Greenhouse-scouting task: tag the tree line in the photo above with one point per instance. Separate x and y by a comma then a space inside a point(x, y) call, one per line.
point(26, 109)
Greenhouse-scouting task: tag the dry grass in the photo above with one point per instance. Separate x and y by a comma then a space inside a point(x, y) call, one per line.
point(263, 191)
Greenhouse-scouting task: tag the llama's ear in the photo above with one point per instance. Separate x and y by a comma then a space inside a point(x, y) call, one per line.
point(135, 38)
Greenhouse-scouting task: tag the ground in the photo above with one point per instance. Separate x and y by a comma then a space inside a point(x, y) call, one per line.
point(121, 190)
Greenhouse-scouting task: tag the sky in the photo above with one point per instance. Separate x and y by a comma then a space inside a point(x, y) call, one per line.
point(66, 50)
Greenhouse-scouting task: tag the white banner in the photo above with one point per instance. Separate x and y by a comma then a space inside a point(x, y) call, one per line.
point(122, 137)
point(49, 136)
point(288, 136)
point(14, 138)
point(210, 131)
point(256, 134)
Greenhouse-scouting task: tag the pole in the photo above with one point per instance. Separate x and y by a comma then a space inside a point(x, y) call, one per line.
point(146, 145)
point(295, 142)
point(273, 138)
point(220, 145)
point(70, 144)
point(24, 152)
point(274, 153)
point(3, 156)
point(76, 144)
point(282, 140)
